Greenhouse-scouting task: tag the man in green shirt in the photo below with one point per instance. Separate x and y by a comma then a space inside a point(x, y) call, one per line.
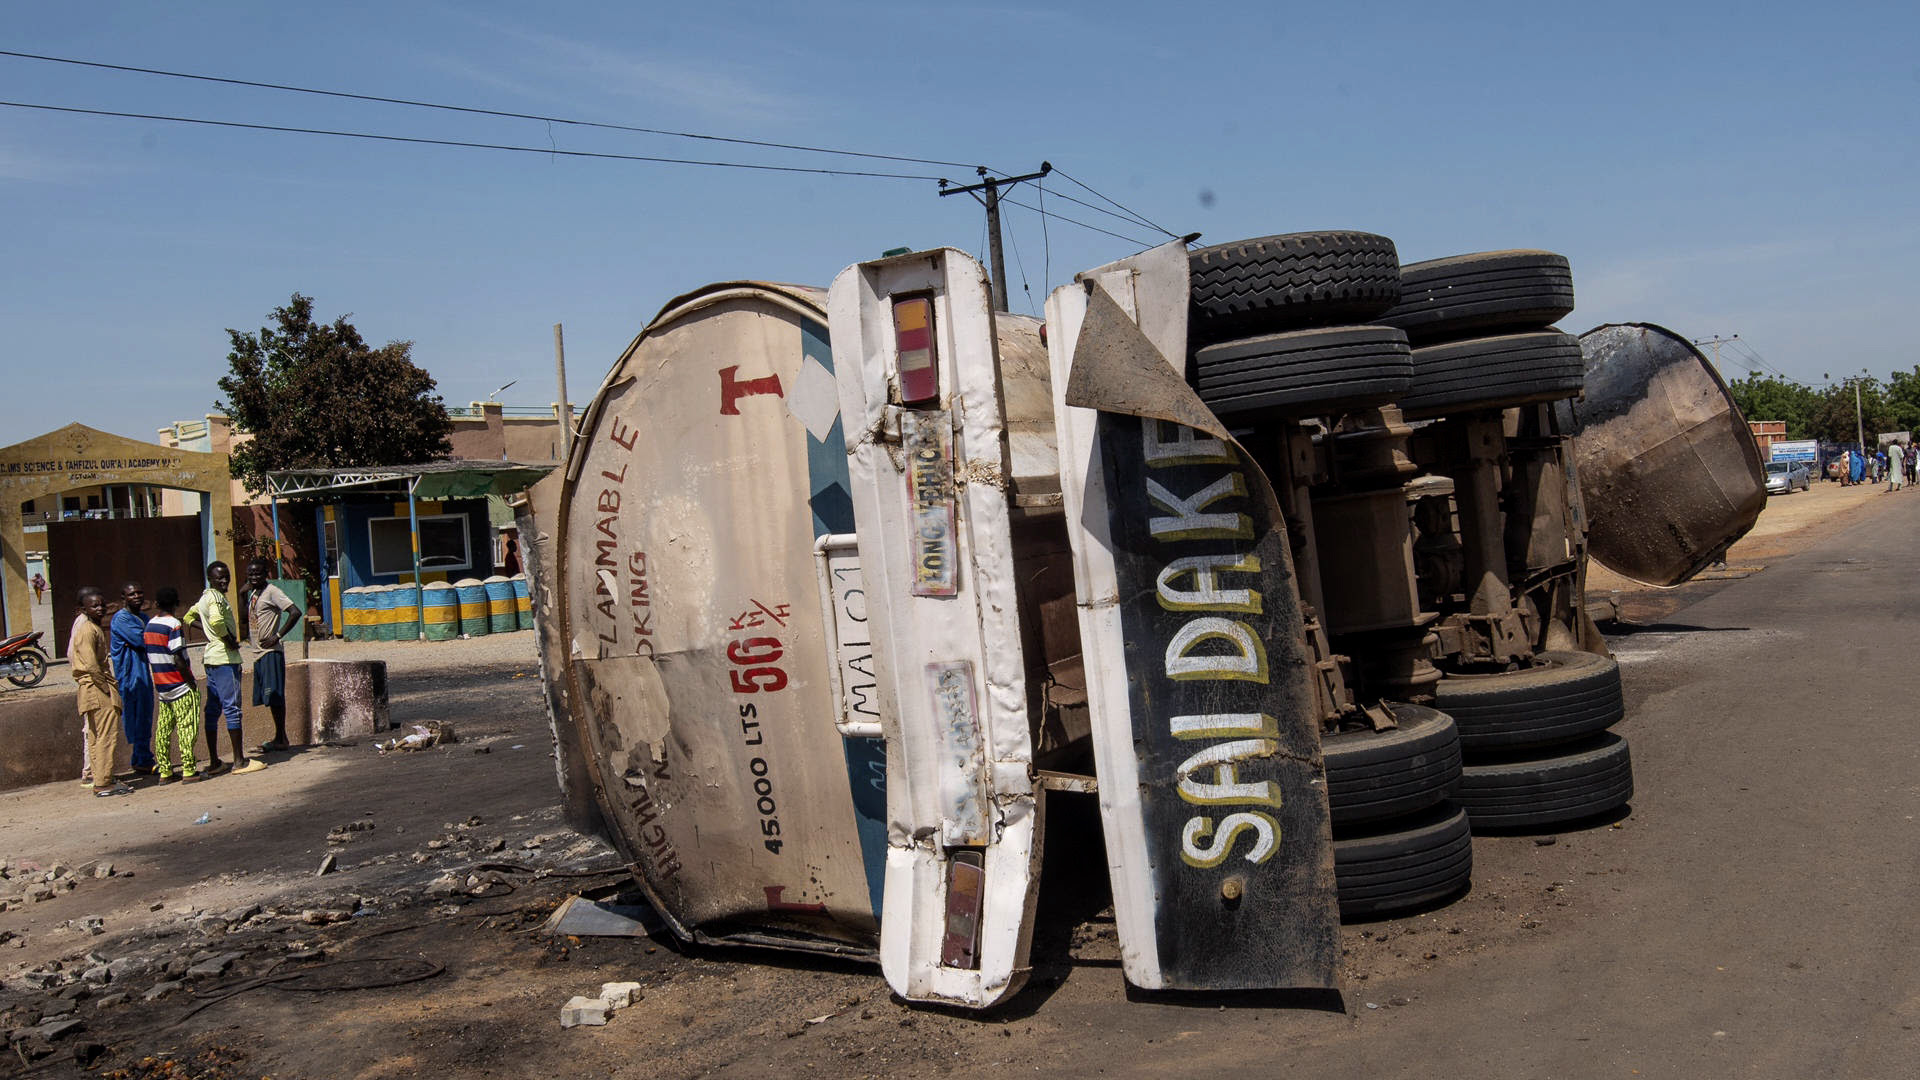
point(222, 660)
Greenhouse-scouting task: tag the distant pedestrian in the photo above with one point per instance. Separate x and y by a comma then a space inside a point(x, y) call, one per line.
point(1896, 468)
point(510, 558)
point(1856, 468)
point(270, 613)
point(127, 644)
point(98, 697)
point(222, 658)
point(39, 587)
point(179, 711)
point(86, 736)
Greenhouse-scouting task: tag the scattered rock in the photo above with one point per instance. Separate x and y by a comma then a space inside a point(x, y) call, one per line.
point(326, 865)
point(1399, 1001)
point(301, 955)
point(322, 917)
point(161, 990)
point(98, 974)
point(445, 885)
point(113, 1000)
point(583, 1010)
point(103, 870)
point(77, 992)
point(59, 1027)
point(1546, 841)
point(619, 995)
point(127, 967)
point(38, 893)
point(177, 966)
point(211, 969)
point(241, 914)
point(436, 845)
point(497, 844)
point(419, 857)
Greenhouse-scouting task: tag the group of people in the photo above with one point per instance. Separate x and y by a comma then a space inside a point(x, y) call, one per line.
point(1897, 464)
point(135, 666)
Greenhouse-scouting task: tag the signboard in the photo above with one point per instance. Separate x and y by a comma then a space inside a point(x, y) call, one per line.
point(1807, 450)
point(1205, 733)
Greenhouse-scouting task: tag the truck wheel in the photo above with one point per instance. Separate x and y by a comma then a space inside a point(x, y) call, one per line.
point(1494, 373)
point(1381, 774)
point(1303, 372)
point(1516, 793)
point(1471, 295)
point(1274, 283)
point(1403, 863)
point(1564, 696)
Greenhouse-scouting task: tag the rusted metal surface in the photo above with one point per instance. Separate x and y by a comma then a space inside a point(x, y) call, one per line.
point(1206, 733)
point(686, 600)
point(1668, 468)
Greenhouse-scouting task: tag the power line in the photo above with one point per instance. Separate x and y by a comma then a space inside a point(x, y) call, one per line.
point(1137, 217)
point(547, 150)
point(1074, 221)
point(478, 111)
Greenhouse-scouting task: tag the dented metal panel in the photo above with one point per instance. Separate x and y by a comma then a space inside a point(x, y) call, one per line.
point(1668, 469)
point(930, 491)
point(686, 593)
point(1206, 740)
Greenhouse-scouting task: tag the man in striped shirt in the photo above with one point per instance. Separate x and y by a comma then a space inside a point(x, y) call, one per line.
point(179, 707)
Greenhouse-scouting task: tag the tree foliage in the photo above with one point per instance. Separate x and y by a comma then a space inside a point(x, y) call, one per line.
point(315, 395)
point(1769, 398)
point(1835, 418)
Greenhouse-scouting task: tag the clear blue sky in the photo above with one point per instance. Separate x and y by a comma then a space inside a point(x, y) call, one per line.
point(1726, 168)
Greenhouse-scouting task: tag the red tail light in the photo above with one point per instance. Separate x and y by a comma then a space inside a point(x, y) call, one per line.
point(918, 359)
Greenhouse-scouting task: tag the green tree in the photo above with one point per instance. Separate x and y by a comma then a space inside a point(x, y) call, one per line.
point(315, 395)
point(1770, 398)
point(1834, 416)
point(1903, 399)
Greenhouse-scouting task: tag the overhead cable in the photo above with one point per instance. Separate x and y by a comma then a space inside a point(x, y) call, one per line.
point(1073, 221)
point(546, 150)
point(1137, 217)
point(484, 112)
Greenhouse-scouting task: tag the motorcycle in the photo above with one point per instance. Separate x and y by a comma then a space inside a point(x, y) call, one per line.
point(21, 659)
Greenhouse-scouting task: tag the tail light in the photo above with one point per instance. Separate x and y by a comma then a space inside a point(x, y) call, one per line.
point(918, 362)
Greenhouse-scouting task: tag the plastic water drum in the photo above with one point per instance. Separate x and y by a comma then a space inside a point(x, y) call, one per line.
point(441, 603)
point(502, 616)
point(473, 606)
point(406, 612)
point(353, 614)
point(384, 598)
point(523, 601)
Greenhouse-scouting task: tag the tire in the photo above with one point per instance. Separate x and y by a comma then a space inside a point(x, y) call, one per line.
point(1568, 696)
point(35, 660)
point(1583, 780)
point(1304, 371)
point(1403, 863)
point(1472, 295)
point(1373, 775)
point(1275, 283)
point(1494, 373)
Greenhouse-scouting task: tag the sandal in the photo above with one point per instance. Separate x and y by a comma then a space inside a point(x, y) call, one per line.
point(109, 792)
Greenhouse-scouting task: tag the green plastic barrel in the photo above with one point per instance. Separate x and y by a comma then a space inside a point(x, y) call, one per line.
point(441, 605)
point(502, 616)
point(406, 612)
point(523, 601)
point(384, 597)
point(474, 618)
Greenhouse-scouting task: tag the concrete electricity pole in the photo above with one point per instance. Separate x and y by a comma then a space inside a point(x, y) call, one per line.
point(992, 187)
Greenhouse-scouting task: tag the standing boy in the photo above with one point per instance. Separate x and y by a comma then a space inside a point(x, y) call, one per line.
point(179, 718)
point(127, 646)
point(271, 613)
point(99, 698)
point(222, 658)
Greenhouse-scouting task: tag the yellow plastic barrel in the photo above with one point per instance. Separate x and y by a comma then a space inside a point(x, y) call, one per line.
point(440, 603)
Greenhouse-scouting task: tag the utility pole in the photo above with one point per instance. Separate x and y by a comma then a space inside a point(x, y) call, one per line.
point(566, 407)
point(1716, 341)
point(1859, 424)
point(992, 187)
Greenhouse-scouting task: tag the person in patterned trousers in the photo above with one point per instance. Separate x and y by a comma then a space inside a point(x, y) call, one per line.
point(178, 722)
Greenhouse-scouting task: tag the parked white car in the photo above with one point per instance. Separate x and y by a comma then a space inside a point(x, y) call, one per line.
point(1784, 476)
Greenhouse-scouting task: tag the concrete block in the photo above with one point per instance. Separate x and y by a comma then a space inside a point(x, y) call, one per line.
point(577, 1011)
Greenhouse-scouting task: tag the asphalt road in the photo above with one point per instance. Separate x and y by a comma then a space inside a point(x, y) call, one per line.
point(1753, 917)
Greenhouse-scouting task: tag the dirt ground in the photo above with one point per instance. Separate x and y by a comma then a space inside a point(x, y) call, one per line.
point(448, 861)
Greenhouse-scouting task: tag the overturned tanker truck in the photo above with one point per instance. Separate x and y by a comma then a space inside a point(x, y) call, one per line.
point(1275, 549)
